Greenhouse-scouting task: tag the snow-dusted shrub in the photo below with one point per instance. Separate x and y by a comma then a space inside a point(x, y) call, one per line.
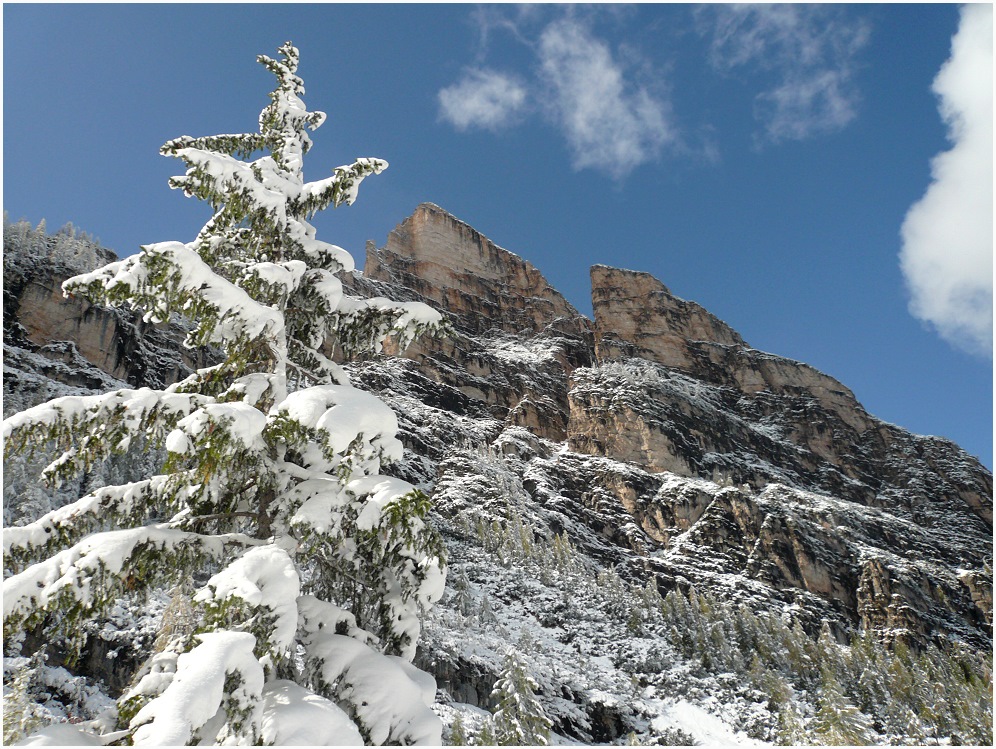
point(310, 568)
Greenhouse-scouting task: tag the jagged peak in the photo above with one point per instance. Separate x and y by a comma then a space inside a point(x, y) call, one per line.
point(430, 208)
point(636, 306)
point(459, 269)
point(600, 268)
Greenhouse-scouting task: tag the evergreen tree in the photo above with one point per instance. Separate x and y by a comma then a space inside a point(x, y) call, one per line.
point(519, 720)
point(316, 566)
point(458, 733)
point(21, 713)
point(486, 614)
point(462, 599)
point(486, 736)
point(837, 719)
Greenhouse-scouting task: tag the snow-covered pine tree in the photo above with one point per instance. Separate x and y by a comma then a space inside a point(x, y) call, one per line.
point(311, 567)
point(520, 719)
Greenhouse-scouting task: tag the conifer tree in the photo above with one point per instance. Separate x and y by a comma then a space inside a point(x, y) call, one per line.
point(312, 567)
point(520, 719)
point(837, 719)
point(458, 733)
point(486, 736)
point(462, 599)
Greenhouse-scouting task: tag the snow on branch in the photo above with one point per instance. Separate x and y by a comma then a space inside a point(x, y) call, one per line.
point(298, 471)
point(341, 187)
point(295, 716)
point(366, 323)
point(126, 504)
point(389, 705)
point(85, 576)
point(342, 414)
point(264, 578)
point(242, 145)
point(108, 423)
point(214, 697)
point(171, 277)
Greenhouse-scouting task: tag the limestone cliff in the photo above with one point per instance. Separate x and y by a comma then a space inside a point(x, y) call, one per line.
point(39, 318)
point(485, 287)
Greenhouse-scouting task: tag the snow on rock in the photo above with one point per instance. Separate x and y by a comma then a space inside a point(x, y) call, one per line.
point(706, 728)
point(295, 716)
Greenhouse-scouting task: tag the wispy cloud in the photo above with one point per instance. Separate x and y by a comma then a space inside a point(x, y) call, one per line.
point(810, 50)
point(947, 253)
point(482, 98)
point(609, 121)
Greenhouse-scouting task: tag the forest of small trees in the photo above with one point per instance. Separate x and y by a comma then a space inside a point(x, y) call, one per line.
point(820, 691)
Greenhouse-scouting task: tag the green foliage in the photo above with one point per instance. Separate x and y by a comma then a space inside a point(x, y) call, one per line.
point(458, 733)
point(817, 689)
point(362, 567)
point(837, 720)
point(486, 736)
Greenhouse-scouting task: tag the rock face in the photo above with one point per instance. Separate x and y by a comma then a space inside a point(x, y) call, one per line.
point(858, 520)
point(487, 288)
point(502, 310)
point(39, 318)
point(635, 308)
point(653, 438)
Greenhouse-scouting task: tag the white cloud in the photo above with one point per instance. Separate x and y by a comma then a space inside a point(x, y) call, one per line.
point(482, 98)
point(809, 49)
point(947, 253)
point(609, 123)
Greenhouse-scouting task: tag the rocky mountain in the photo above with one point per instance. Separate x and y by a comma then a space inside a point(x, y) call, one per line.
point(811, 499)
point(598, 482)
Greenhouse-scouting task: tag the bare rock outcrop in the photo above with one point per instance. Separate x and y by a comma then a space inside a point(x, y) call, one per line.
point(39, 318)
point(636, 308)
point(637, 316)
point(484, 286)
point(825, 506)
point(678, 390)
point(514, 336)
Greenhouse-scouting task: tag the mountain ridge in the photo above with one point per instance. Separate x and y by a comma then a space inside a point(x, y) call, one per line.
point(659, 460)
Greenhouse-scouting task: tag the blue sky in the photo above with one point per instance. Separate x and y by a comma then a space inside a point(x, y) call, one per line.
point(761, 162)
